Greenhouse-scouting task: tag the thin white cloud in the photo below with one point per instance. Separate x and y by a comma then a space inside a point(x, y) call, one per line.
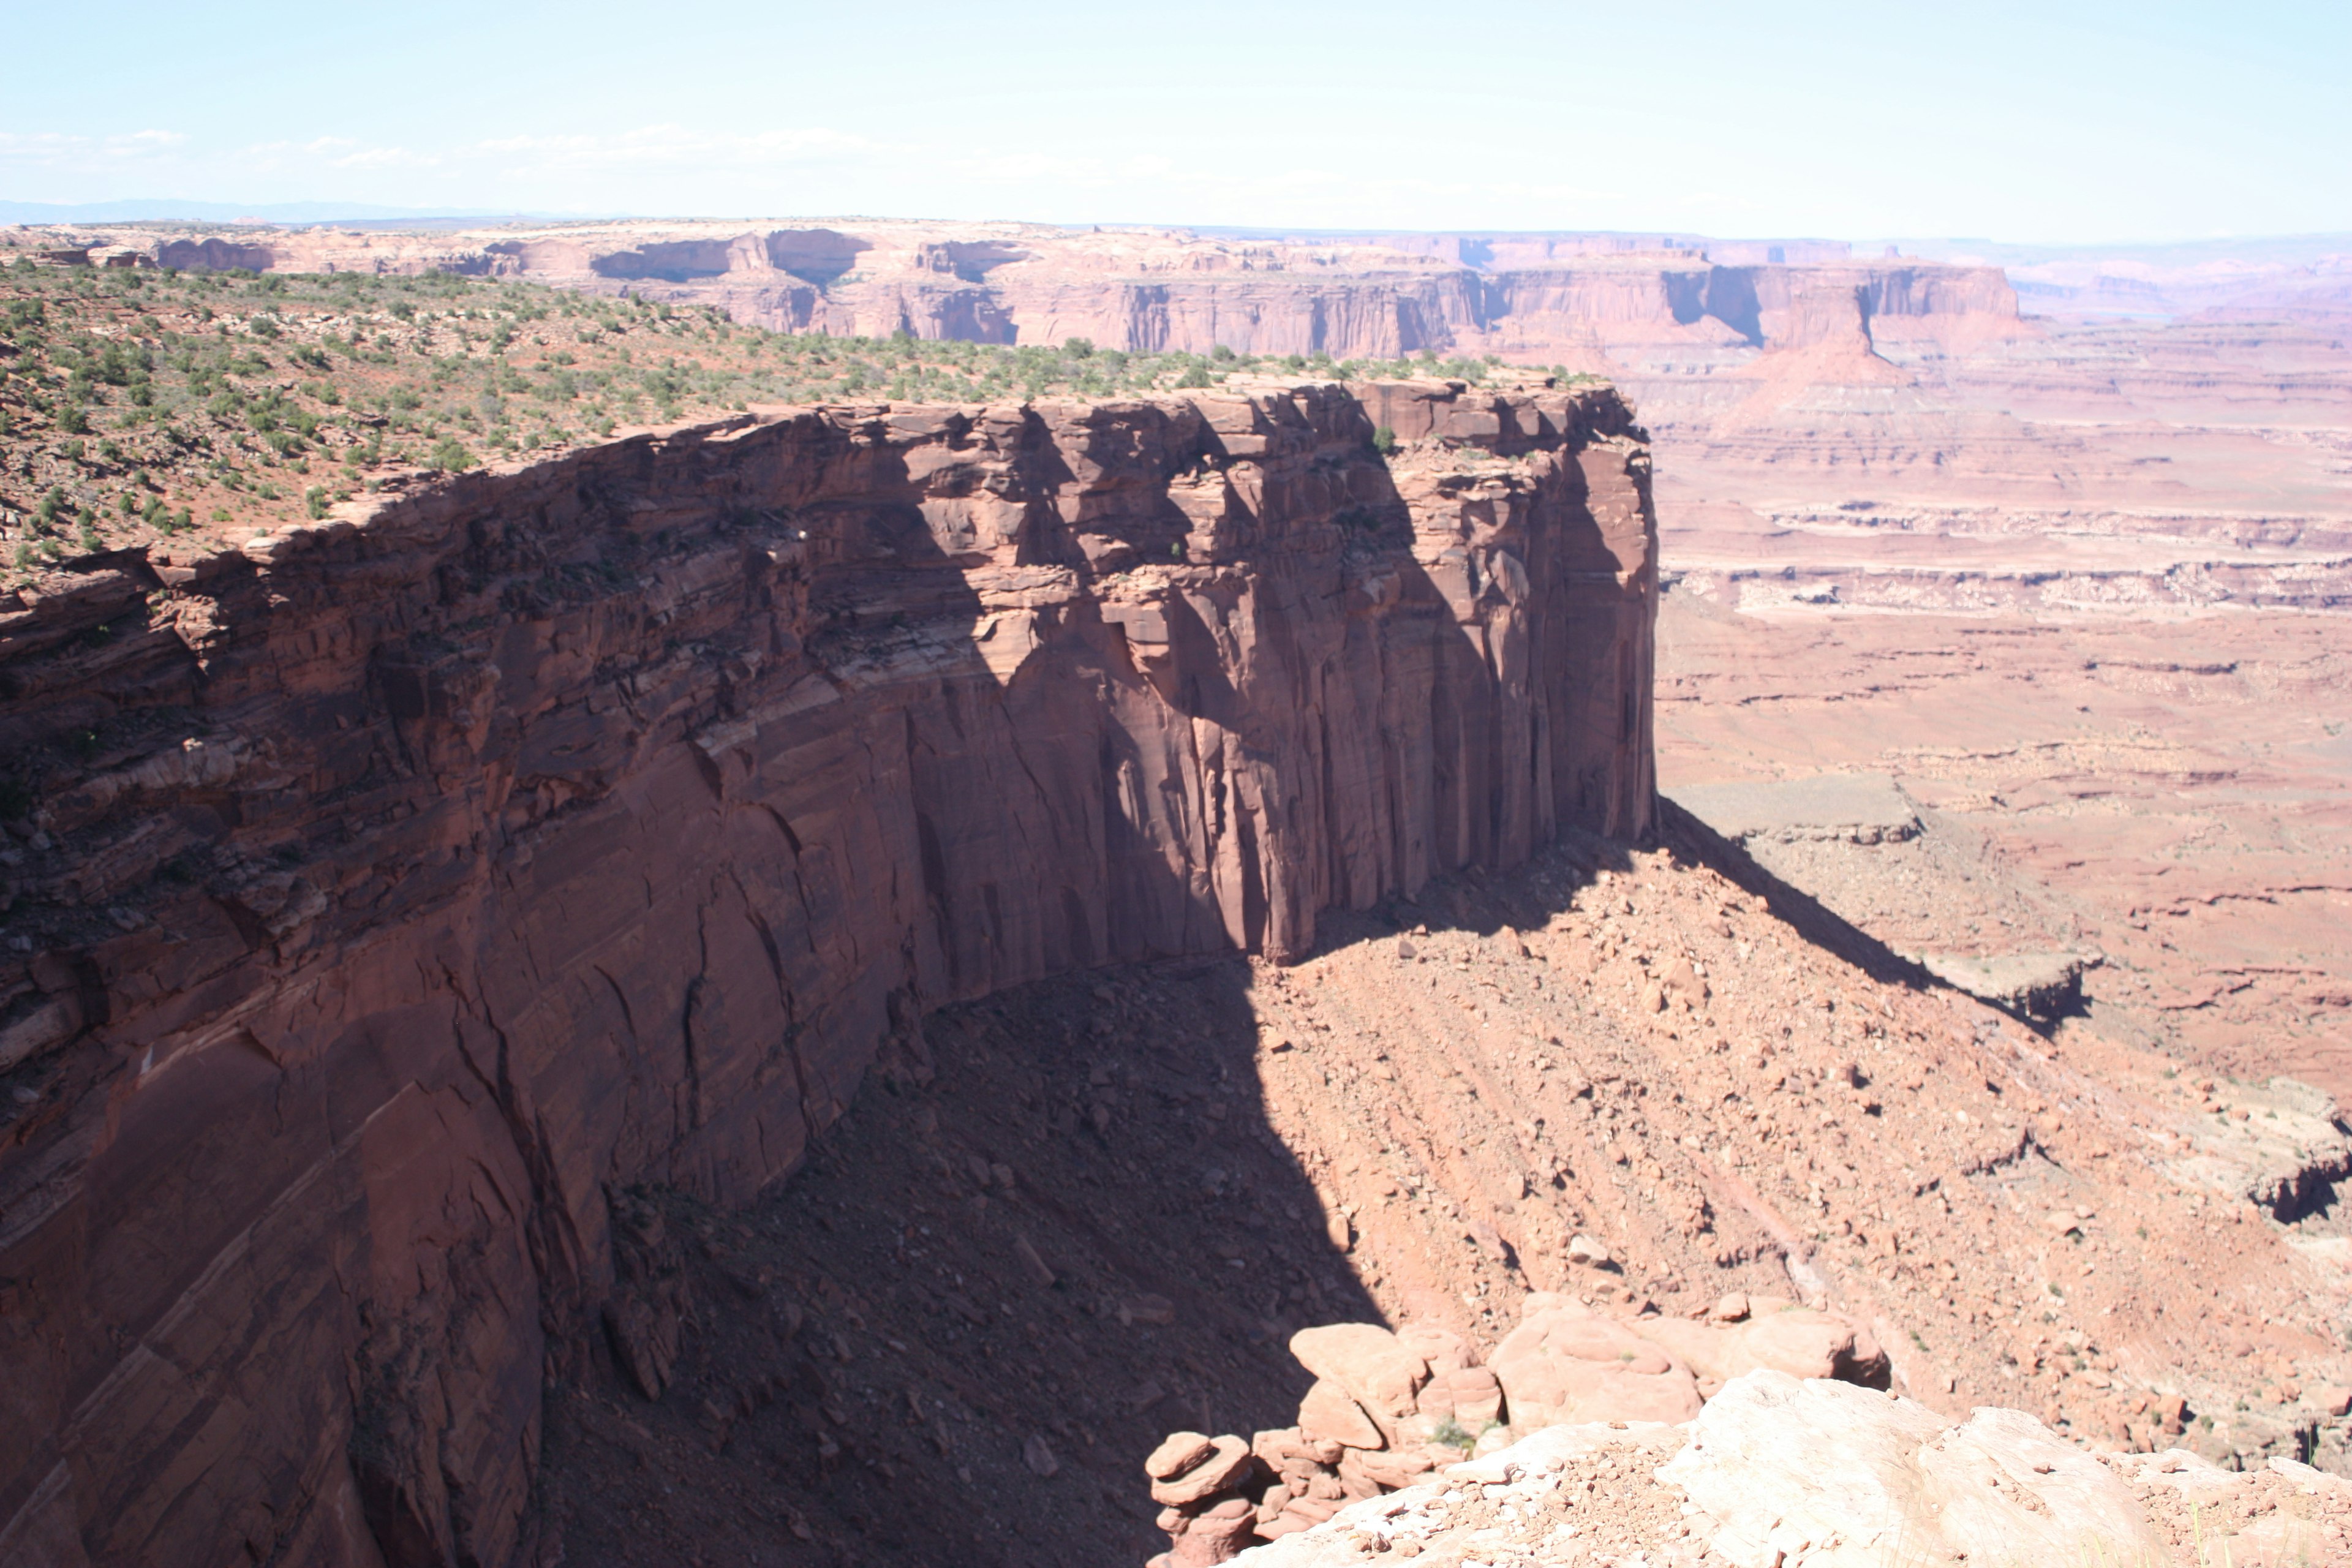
point(386, 158)
point(64, 149)
point(676, 146)
point(143, 143)
point(323, 153)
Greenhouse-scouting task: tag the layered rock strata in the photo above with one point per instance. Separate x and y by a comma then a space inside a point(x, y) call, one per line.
point(388, 898)
point(1152, 290)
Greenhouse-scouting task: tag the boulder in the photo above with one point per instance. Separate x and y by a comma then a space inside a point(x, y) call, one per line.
point(1328, 1413)
point(1372, 1364)
point(1218, 1535)
point(1478, 1397)
point(1227, 1465)
point(1565, 1365)
point(1285, 1448)
point(1177, 1453)
point(1440, 1349)
point(1798, 1341)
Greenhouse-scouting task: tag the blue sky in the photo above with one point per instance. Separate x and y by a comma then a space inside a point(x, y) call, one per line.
point(2052, 122)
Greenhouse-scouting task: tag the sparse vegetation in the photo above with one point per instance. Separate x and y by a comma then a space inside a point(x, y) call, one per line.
point(133, 403)
point(1449, 1432)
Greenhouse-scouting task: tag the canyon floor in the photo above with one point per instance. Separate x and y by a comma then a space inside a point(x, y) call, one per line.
point(2171, 800)
point(954, 1337)
point(2080, 596)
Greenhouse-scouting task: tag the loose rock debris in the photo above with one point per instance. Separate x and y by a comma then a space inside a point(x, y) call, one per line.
point(1617, 1079)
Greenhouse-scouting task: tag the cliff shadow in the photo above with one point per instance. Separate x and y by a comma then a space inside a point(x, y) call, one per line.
point(1059, 1224)
point(1693, 840)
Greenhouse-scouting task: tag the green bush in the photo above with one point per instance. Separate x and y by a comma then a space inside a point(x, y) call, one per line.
point(1384, 440)
point(449, 455)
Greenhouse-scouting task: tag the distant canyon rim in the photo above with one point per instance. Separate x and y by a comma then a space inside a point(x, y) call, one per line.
point(1992, 643)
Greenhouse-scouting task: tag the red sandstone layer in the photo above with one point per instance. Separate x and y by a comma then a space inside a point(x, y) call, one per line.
point(400, 891)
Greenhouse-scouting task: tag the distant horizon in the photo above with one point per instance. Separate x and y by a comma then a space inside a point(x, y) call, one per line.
point(319, 213)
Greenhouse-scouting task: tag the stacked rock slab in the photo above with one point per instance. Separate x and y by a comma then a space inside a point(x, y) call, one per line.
point(1387, 1408)
point(398, 892)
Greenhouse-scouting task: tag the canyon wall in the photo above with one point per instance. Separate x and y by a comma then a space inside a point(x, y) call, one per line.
point(386, 897)
point(1594, 302)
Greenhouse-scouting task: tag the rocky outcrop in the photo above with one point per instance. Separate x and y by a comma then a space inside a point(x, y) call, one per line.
point(388, 898)
point(1386, 1409)
point(1782, 1473)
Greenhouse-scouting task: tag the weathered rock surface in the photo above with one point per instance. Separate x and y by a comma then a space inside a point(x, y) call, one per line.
point(1387, 1407)
point(1561, 1365)
point(1371, 1365)
point(1781, 1336)
point(403, 889)
point(1780, 1473)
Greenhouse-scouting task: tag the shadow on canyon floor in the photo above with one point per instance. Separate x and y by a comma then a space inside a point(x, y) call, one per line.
point(1016, 1264)
point(952, 1337)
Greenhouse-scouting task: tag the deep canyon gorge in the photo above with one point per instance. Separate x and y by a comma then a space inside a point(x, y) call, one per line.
point(805, 985)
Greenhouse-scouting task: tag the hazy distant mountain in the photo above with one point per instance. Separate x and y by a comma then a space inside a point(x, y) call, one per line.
point(2299, 275)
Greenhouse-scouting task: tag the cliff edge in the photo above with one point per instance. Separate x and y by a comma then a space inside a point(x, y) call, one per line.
point(386, 897)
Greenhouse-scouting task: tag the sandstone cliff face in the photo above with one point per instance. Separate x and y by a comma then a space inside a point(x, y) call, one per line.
point(1589, 301)
point(397, 893)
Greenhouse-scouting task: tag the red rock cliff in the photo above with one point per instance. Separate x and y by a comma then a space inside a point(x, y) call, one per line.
point(397, 892)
